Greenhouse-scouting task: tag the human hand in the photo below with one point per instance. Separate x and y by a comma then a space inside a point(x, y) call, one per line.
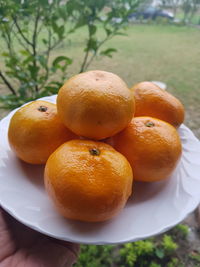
point(21, 246)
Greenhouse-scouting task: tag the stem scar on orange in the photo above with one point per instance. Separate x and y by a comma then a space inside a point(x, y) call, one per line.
point(88, 180)
point(152, 147)
point(95, 104)
point(35, 131)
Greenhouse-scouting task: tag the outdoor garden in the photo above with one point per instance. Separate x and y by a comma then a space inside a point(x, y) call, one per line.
point(43, 43)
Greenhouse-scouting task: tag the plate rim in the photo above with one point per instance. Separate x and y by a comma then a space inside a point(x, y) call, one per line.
point(153, 234)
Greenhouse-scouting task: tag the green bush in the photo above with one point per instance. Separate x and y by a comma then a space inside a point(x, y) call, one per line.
point(95, 256)
point(31, 29)
point(153, 252)
point(181, 231)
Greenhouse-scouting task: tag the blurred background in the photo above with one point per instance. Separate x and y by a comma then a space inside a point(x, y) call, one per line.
point(44, 42)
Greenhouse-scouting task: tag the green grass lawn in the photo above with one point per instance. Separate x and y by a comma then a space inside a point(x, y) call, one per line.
point(153, 52)
point(150, 52)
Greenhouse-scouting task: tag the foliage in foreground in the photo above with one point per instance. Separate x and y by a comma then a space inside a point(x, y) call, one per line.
point(32, 29)
point(161, 251)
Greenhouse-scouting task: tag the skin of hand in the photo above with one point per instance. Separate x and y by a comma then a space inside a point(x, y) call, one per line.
point(21, 246)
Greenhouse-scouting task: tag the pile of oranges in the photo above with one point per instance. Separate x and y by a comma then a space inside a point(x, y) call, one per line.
point(97, 140)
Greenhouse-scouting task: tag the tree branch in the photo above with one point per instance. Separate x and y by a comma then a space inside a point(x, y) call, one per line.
point(7, 83)
point(40, 28)
point(54, 45)
point(84, 61)
point(7, 39)
point(21, 43)
point(87, 62)
point(34, 43)
point(47, 59)
point(21, 32)
point(100, 44)
point(86, 53)
point(95, 53)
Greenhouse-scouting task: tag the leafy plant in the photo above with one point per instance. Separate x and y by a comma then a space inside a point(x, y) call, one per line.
point(195, 256)
point(154, 264)
point(174, 262)
point(139, 251)
point(189, 7)
point(181, 231)
point(32, 29)
point(92, 14)
point(153, 252)
point(95, 256)
point(168, 244)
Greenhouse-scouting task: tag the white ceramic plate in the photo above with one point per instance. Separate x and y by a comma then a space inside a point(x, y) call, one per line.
point(153, 208)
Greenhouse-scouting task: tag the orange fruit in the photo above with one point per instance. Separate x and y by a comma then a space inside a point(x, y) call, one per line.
point(151, 100)
point(95, 104)
point(35, 131)
point(88, 180)
point(152, 147)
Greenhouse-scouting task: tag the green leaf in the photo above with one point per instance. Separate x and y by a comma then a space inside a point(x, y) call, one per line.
point(60, 59)
point(5, 54)
point(72, 6)
point(42, 60)
point(108, 32)
point(10, 101)
point(181, 230)
point(55, 27)
point(44, 2)
point(195, 256)
point(33, 71)
point(28, 60)
point(159, 253)
point(7, 97)
point(63, 12)
point(92, 29)
point(108, 52)
point(92, 44)
point(154, 264)
point(44, 41)
point(22, 91)
point(61, 31)
point(81, 22)
point(168, 244)
point(24, 53)
point(78, 6)
point(51, 89)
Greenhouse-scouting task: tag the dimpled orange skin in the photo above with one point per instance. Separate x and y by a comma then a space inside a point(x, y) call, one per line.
point(85, 185)
point(151, 100)
point(34, 134)
point(95, 104)
point(152, 147)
